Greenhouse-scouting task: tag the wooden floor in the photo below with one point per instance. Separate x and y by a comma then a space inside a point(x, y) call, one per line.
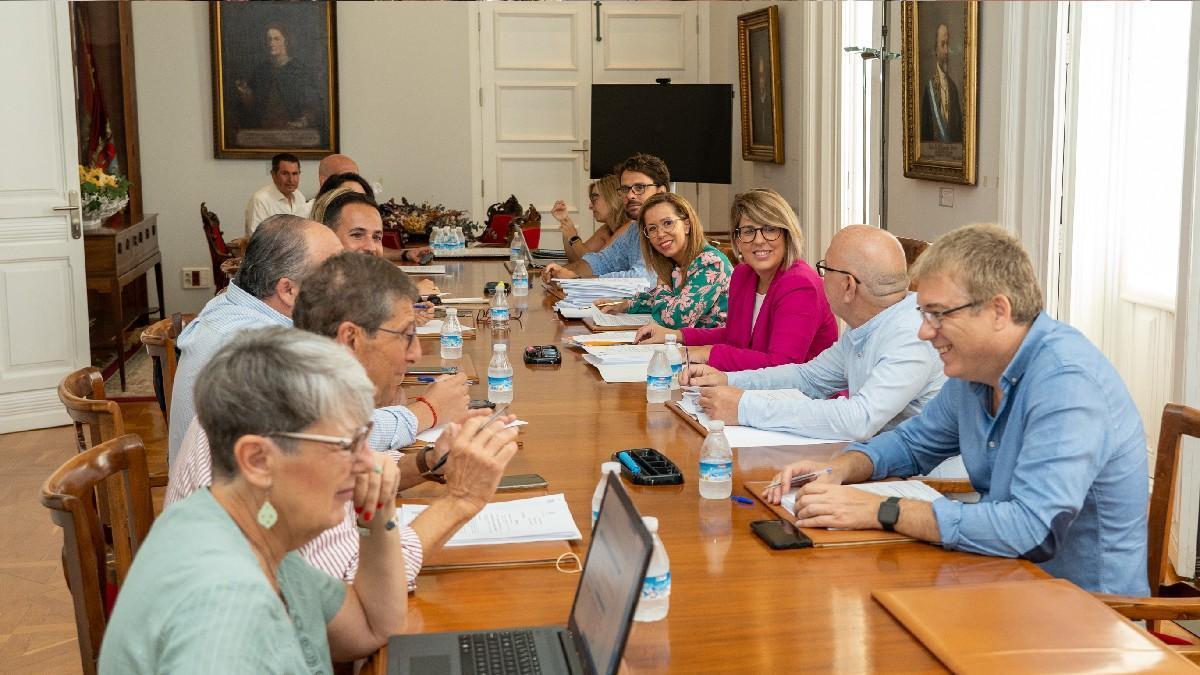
point(37, 624)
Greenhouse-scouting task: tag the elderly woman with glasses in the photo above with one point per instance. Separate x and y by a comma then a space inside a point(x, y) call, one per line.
point(778, 312)
point(693, 276)
point(218, 586)
point(607, 207)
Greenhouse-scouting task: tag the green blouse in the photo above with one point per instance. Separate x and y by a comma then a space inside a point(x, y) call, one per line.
point(700, 301)
point(197, 601)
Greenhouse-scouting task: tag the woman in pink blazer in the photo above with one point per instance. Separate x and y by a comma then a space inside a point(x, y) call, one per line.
point(777, 308)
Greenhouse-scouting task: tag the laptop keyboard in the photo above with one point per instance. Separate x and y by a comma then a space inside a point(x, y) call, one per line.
point(499, 653)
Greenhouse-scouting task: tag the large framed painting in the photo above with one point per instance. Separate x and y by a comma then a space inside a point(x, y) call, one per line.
point(761, 92)
point(274, 70)
point(941, 75)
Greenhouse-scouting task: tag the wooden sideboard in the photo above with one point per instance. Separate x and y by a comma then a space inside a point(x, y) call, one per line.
point(116, 256)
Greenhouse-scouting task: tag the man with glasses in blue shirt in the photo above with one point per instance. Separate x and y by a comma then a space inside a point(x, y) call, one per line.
point(1046, 428)
point(642, 176)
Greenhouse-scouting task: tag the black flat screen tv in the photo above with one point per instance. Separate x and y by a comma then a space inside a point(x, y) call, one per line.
point(689, 126)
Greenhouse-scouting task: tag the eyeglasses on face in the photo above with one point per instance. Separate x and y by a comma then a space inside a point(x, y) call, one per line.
point(664, 226)
point(345, 446)
point(410, 335)
point(638, 189)
point(822, 268)
point(747, 234)
point(934, 319)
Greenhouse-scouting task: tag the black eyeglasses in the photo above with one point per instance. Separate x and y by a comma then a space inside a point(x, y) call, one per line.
point(411, 335)
point(747, 234)
point(637, 189)
point(934, 319)
point(822, 268)
point(346, 446)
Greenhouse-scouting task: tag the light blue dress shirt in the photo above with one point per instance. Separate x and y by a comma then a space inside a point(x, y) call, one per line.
point(1061, 467)
point(890, 372)
point(622, 258)
point(222, 318)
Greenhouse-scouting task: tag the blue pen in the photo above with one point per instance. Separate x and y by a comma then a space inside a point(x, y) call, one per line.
point(426, 378)
point(629, 463)
point(742, 500)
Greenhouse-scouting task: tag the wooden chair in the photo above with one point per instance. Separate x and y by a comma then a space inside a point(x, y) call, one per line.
point(218, 250)
point(913, 248)
point(82, 393)
point(159, 340)
point(1170, 599)
point(70, 494)
point(725, 247)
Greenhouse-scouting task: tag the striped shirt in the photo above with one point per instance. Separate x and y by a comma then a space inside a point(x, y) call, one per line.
point(334, 551)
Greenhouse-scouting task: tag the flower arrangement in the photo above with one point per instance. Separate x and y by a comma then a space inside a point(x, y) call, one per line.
point(103, 194)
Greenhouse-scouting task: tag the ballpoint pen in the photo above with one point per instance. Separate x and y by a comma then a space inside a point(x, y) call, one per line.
point(803, 479)
point(608, 304)
point(500, 410)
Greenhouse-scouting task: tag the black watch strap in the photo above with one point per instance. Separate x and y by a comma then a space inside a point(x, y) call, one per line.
point(889, 513)
point(423, 466)
point(574, 240)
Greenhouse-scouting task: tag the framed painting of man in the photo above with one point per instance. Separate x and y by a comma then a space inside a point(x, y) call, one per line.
point(760, 88)
point(941, 74)
point(274, 70)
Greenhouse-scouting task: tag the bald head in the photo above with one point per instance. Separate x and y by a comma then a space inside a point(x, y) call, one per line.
point(876, 259)
point(335, 164)
point(282, 251)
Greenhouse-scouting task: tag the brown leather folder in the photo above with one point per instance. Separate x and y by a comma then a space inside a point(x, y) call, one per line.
point(819, 537)
point(1040, 626)
point(691, 421)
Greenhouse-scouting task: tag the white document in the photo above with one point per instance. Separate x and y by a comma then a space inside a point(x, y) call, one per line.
point(620, 372)
point(904, 489)
point(545, 518)
point(749, 437)
point(601, 319)
point(569, 311)
point(619, 354)
point(464, 301)
point(625, 336)
point(423, 269)
point(434, 327)
point(431, 435)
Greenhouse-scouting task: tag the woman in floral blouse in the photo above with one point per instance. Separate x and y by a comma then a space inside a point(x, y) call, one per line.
point(693, 277)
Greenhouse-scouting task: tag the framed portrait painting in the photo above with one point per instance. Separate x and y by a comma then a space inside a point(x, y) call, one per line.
point(274, 70)
point(759, 79)
point(941, 74)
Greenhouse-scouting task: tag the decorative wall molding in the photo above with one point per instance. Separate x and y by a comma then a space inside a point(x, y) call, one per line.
point(819, 125)
point(38, 409)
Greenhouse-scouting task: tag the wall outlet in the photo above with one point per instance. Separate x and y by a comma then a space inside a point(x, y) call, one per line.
point(197, 277)
point(946, 197)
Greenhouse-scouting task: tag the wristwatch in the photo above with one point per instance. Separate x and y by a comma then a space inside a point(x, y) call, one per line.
point(574, 240)
point(889, 513)
point(426, 471)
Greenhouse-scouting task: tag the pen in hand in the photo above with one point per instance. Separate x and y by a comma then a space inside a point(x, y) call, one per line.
point(803, 479)
point(613, 303)
point(500, 410)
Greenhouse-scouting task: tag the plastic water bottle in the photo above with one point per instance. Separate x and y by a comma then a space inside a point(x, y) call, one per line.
point(451, 339)
point(656, 589)
point(499, 311)
point(437, 240)
point(520, 279)
point(716, 464)
point(460, 238)
point(517, 247)
point(658, 377)
point(598, 496)
point(500, 375)
point(675, 358)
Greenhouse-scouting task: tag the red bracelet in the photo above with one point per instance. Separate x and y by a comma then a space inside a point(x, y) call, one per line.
point(429, 405)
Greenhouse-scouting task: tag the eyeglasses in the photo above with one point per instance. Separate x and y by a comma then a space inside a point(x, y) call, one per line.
point(346, 446)
point(411, 335)
point(638, 189)
point(747, 234)
point(665, 226)
point(934, 319)
point(822, 268)
point(593, 197)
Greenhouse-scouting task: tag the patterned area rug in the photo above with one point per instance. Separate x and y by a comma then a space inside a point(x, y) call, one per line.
point(139, 370)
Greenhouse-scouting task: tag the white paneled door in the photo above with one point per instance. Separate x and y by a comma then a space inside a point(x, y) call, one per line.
point(43, 302)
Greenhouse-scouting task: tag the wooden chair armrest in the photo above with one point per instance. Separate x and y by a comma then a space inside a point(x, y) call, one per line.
point(1152, 609)
point(1191, 653)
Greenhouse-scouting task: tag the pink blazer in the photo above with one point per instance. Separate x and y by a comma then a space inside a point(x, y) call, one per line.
point(794, 324)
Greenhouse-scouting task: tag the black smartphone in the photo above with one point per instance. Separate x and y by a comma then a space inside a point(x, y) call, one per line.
point(433, 370)
point(490, 288)
point(477, 403)
point(524, 481)
point(780, 534)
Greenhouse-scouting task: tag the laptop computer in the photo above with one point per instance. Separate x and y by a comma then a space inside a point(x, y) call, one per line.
point(594, 638)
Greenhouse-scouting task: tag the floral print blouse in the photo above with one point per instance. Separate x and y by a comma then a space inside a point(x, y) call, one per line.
point(697, 301)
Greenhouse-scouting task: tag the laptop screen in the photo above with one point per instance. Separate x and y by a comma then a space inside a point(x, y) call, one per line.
point(611, 581)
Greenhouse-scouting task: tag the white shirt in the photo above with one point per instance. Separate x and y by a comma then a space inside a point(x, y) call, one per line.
point(758, 301)
point(269, 201)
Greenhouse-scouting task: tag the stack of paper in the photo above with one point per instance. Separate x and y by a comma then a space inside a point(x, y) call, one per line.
point(620, 354)
point(601, 319)
point(581, 293)
point(614, 337)
point(904, 489)
point(423, 269)
point(544, 518)
point(434, 327)
point(749, 437)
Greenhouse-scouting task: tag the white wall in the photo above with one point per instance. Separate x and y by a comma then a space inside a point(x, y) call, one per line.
point(913, 209)
point(405, 103)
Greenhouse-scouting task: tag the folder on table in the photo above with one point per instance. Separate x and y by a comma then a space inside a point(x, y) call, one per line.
point(819, 537)
point(1036, 626)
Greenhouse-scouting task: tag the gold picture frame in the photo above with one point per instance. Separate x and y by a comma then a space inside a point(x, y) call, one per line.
point(760, 86)
point(274, 79)
point(941, 123)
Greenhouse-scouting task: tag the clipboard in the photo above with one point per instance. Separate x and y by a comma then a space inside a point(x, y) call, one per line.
point(819, 537)
point(691, 421)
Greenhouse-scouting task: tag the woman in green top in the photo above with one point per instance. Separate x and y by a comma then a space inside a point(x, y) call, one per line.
point(693, 277)
point(217, 586)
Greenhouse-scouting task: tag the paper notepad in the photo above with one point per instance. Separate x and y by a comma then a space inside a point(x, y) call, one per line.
point(431, 435)
point(601, 319)
point(621, 336)
point(544, 518)
point(621, 354)
point(904, 489)
point(423, 269)
point(749, 437)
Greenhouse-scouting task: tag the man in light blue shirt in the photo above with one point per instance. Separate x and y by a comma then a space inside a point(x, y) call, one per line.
point(890, 373)
point(642, 176)
point(1048, 432)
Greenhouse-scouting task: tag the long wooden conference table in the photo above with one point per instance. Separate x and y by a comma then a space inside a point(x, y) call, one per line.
point(736, 605)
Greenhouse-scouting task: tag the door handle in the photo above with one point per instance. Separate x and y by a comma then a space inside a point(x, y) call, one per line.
point(64, 208)
point(73, 208)
point(584, 150)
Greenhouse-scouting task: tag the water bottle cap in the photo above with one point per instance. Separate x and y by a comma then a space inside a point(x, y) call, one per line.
point(651, 523)
point(499, 347)
point(716, 425)
point(610, 467)
point(499, 285)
